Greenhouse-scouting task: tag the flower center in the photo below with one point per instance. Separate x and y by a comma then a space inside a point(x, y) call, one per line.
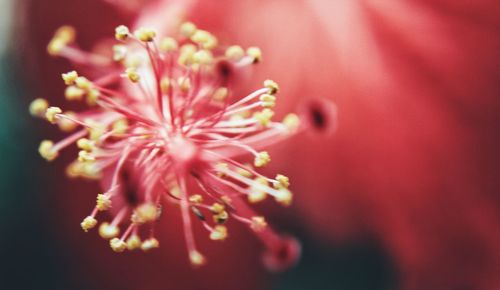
point(183, 151)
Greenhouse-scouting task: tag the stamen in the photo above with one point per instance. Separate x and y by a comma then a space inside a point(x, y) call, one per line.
point(122, 32)
point(107, 231)
point(179, 129)
point(117, 245)
point(88, 223)
point(235, 53)
point(47, 151)
point(188, 29)
point(219, 233)
point(70, 77)
point(255, 53)
point(103, 202)
point(51, 113)
point(133, 242)
point(145, 34)
point(150, 244)
point(38, 107)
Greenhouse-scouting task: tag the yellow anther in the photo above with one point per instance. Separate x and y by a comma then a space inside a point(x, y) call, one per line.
point(55, 46)
point(133, 242)
point(264, 116)
point(168, 44)
point(258, 223)
point(184, 84)
point(235, 52)
point(38, 107)
point(107, 231)
point(256, 194)
point(67, 125)
point(211, 43)
point(66, 33)
point(196, 258)
point(91, 170)
point(272, 86)
point(165, 85)
point(175, 191)
point(226, 199)
point(188, 48)
point(83, 83)
point(51, 113)
point(221, 217)
point(244, 172)
point(255, 54)
point(70, 77)
point(74, 169)
point(85, 144)
point(122, 32)
point(292, 122)
point(144, 213)
point(262, 181)
point(284, 197)
point(150, 244)
point(268, 101)
point(185, 58)
point(201, 36)
point(188, 29)
point(196, 198)
point(96, 130)
point(84, 156)
point(117, 245)
point(119, 52)
point(145, 34)
point(92, 97)
point(220, 94)
point(63, 36)
point(221, 167)
point(186, 54)
point(120, 127)
point(132, 75)
point(219, 233)
point(88, 223)
point(217, 208)
point(46, 150)
point(267, 98)
point(202, 57)
point(73, 93)
point(282, 181)
point(262, 159)
point(103, 202)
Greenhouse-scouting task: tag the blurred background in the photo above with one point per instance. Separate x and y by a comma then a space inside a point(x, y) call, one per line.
point(397, 190)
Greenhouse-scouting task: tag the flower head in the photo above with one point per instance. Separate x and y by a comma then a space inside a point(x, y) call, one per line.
point(165, 128)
